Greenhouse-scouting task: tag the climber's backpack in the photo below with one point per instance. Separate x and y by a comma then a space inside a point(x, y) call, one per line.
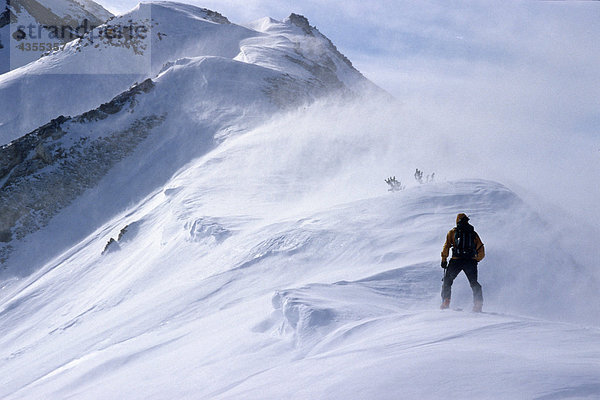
point(464, 243)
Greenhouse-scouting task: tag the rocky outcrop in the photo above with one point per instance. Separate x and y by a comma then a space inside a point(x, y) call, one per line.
point(6, 17)
point(17, 152)
point(44, 171)
point(45, 16)
point(301, 22)
point(215, 16)
point(111, 246)
point(127, 234)
point(118, 103)
point(38, 148)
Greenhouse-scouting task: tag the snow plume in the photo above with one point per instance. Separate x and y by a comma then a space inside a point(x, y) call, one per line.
point(386, 137)
point(539, 261)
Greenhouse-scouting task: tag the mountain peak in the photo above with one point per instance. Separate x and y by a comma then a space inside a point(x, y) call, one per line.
point(191, 10)
point(300, 21)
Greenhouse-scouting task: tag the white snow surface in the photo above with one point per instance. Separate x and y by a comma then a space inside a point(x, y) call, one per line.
point(242, 277)
point(262, 258)
point(338, 303)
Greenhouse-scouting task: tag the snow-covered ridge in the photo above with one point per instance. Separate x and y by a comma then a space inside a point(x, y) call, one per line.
point(59, 12)
point(175, 31)
point(302, 22)
point(192, 11)
point(239, 71)
point(48, 169)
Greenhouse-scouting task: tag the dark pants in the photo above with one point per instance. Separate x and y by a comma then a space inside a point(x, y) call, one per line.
point(454, 268)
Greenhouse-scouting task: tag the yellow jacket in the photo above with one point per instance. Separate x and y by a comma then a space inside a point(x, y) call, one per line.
point(479, 248)
point(479, 252)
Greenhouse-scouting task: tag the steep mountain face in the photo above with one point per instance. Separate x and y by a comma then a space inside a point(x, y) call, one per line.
point(31, 21)
point(165, 32)
point(241, 79)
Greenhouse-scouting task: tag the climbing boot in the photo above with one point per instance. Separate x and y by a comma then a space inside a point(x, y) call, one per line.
point(445, 304)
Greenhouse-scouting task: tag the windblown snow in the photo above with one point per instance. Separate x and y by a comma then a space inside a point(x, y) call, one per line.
point(222, 230)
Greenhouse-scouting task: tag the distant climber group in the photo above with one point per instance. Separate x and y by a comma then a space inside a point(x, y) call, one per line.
point(467, 251)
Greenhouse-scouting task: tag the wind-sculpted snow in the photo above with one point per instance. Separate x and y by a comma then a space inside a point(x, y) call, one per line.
point(207, 230)
point(342, 301)
point(321, 313)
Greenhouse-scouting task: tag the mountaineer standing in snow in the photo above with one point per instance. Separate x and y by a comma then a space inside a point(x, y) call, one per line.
point(467, 251)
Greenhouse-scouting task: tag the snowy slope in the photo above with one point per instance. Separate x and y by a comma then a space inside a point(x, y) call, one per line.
point(174, 31)
point(339, 303)
point(146, 133)
point(190, 106)
point(244, 276)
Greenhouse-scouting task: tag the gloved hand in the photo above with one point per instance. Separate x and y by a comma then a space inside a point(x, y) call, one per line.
point(444, 264)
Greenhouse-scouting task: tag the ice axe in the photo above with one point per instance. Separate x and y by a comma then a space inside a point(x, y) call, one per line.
point(445, 272)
